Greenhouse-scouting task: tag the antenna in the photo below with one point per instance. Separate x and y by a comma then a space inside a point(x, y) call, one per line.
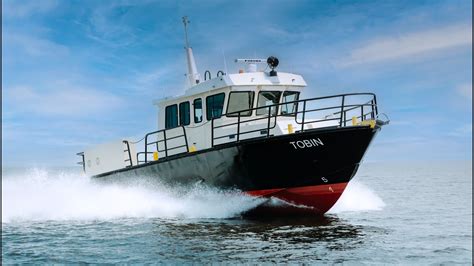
point(225, 62)
point(193, 75)
point(186, 22)
point(251, 63)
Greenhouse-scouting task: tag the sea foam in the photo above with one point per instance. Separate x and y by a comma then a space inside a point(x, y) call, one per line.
point(38, 194)
point(45, 195)
point(358, 197)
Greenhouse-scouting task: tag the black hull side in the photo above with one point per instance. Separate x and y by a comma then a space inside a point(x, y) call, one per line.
point(328, 156)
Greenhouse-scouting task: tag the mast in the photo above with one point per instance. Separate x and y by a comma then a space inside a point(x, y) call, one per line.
point(193, 75)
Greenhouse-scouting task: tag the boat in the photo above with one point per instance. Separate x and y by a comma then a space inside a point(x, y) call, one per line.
point(249, 131)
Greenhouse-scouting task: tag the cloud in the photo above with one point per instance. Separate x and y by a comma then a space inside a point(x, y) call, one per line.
point(66, 101)
point(34, 46)
point(411, 44)
point(22, 9)
point(153, 76)
point(149, 81)
point(111, 23)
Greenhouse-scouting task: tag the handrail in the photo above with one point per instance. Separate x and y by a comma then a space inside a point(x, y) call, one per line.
point(164, 141)
point(268, 118)
point(343, 108)
point(129, 154)
point(272, 112)
point(205, 74)
point(83, 163)
point(307, 100)
point(138, 157)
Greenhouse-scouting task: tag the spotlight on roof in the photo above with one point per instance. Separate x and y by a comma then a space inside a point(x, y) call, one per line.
point(272, 63)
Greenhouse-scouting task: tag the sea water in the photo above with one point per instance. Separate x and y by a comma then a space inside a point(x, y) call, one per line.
point(400, 213)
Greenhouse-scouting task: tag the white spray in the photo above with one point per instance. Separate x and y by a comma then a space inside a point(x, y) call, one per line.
point(357, 197)
point(42, 195)
point(38, 194)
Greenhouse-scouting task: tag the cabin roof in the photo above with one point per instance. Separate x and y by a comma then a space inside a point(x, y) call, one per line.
point(241, 79)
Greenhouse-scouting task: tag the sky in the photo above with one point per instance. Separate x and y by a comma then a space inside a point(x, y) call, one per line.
point(79, 73)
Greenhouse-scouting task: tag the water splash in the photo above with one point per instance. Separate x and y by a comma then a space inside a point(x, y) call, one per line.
point(358, 197)
point(44, 195)
point(39, 194)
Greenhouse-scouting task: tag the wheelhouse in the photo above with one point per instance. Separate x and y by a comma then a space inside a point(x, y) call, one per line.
point(206, 101)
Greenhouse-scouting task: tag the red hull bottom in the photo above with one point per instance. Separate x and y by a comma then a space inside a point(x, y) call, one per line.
point(309, 199)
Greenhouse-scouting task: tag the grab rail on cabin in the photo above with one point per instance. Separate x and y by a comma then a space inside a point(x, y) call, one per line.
point(162, 143)
point(339, 113)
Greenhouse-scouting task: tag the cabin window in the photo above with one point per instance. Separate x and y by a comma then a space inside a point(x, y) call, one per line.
point(289, 109)
point(214, 105)
point(266, 98)
point(184, 114)
point(171, 116)
point(197, 110)
point(239, 101)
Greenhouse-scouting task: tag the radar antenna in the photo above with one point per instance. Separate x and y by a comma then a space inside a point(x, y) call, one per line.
point(193, 75)
point(251, 63)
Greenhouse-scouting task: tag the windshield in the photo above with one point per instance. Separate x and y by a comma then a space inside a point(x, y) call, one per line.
point(238, 101)
point(290, 108)
point(266, 98)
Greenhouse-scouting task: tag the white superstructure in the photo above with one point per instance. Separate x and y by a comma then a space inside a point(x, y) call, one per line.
point(212, 112)
point(226, 94)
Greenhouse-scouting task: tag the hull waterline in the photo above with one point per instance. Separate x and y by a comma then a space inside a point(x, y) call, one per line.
point(300, 200)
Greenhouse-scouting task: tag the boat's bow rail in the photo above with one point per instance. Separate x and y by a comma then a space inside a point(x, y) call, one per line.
point(298, 116)
point(295, 116)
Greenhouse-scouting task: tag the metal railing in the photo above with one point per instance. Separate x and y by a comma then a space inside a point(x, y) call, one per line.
point(237, 135)
point(129, 160)
point(337, 113)
point(162, 138)
point(83, 163)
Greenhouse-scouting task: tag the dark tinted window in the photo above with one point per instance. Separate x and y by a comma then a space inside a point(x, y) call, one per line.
point(184, 114)
point(171, 116)
point(197, 110)
point(240, 100)
point(289, 96)
point(214, 105)
point(266, 98)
